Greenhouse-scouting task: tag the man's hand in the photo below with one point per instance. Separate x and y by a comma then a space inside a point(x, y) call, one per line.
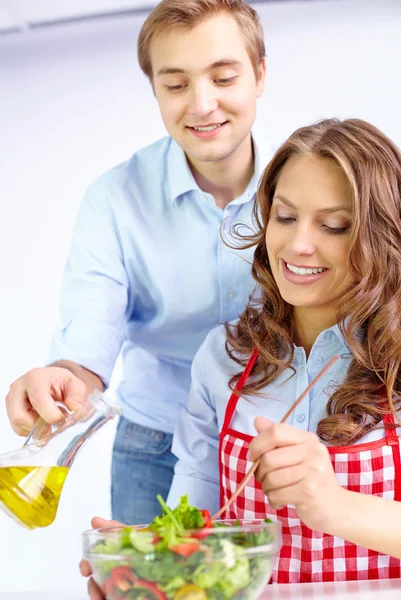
point(295, 468)
point(34, 394)
point(93, 590)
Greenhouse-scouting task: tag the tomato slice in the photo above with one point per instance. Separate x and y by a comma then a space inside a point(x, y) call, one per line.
point(191, 592)
point(208, 523)
point(186, 548)
point(122, 580)
point(207, 518)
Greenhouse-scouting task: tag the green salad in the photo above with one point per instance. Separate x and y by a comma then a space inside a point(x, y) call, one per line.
point(182, 555)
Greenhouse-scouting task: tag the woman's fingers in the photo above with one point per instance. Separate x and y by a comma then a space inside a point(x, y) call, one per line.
point(282, 478)
point(99, 523)
point(94, 591)
point(277, 436)
point(84, 568)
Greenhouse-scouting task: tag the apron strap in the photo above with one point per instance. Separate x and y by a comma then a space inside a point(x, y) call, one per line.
point(232, 403)
point(391, 432)
point(393, 441)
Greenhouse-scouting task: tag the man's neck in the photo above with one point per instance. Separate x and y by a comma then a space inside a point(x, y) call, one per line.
point(226, 179)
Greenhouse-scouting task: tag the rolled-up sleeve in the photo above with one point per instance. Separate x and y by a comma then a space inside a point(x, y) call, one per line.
point(196, 443)
point(94, 292)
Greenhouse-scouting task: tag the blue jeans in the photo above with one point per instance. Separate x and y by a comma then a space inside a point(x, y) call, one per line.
point(142, 467)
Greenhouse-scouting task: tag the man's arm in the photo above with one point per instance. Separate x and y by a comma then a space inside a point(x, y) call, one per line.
point(90, 379)
point(93, 322)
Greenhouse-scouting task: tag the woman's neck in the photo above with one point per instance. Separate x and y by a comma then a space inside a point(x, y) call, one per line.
point(309, 323)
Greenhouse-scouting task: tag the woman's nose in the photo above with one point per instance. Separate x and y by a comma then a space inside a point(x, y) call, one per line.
point(303, 242)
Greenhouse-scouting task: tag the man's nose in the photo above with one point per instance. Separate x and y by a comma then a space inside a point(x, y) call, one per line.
point(203, 101)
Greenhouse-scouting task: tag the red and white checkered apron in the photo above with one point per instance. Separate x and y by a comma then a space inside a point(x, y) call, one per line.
point(306, 555)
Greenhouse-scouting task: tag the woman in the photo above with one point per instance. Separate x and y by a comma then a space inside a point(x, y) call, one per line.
point(328, 269)
point(327, 265)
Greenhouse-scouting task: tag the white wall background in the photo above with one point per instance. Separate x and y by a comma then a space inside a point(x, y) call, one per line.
point(72, 104)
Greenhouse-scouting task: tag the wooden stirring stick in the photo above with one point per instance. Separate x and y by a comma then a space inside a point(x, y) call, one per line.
point(283, 420)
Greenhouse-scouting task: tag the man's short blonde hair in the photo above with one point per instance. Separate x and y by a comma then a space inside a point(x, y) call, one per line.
point(189, 13)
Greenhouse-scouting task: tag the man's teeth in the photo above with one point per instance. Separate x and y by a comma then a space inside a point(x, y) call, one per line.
point(210, 128)
point(303, 271)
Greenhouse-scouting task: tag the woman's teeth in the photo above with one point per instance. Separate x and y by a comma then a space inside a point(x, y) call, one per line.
point(303, 271)
point(210, 128)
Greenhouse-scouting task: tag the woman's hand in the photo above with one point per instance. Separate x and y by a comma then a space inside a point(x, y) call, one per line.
point(93, 590)
point(295, 468)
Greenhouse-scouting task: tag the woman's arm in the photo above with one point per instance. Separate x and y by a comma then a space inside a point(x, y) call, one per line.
point(295, 468)
point(369, 521)
point(196, 441)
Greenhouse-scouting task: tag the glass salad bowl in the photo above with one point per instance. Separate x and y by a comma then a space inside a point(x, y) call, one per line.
point(220, 561)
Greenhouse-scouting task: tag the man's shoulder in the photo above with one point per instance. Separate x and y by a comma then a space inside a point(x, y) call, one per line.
point(145, 162)
point(150, 158)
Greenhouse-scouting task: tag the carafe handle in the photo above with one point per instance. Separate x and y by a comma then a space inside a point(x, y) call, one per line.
point(40, 423)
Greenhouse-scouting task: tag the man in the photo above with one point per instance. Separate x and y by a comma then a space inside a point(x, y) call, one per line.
point(148, 271)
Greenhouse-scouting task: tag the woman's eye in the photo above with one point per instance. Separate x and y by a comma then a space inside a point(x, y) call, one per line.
point(284, 220)
point(336, 230)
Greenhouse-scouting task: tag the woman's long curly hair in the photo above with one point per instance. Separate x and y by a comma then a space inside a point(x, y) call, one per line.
point(371, 309)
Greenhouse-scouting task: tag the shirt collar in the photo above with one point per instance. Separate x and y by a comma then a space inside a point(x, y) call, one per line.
point(327, 336)
point(263, 154)
point(182, 181)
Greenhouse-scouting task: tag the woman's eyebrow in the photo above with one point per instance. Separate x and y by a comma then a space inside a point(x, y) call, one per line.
point(329, 209)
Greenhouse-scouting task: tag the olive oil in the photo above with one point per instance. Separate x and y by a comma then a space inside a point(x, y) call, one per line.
point(30, 495)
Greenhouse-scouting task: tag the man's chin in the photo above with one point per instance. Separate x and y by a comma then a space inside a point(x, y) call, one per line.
point(207, 154)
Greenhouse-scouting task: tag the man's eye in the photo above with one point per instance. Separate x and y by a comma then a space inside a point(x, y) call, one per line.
point(174, 88)
point(226, 80)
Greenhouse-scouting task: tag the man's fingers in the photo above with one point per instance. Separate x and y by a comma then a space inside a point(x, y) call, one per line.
point(35, 394)
point(43, 402)
point(74, 392)
point(21, 415)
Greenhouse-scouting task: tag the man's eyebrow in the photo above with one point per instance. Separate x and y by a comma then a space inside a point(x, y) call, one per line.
point(169, 71)
point(224, 62)
point(330, 209)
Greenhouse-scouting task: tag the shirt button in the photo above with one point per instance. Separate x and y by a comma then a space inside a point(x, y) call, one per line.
point(231, 295)
point(300, 418)
point(318, 360)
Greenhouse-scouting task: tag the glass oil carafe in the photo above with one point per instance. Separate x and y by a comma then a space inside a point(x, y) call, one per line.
point(32, 478)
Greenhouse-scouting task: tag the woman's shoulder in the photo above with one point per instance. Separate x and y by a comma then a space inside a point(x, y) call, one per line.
point(213, 352)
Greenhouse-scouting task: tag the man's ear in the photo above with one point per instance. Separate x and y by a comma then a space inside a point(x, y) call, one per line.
point(261, 77)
